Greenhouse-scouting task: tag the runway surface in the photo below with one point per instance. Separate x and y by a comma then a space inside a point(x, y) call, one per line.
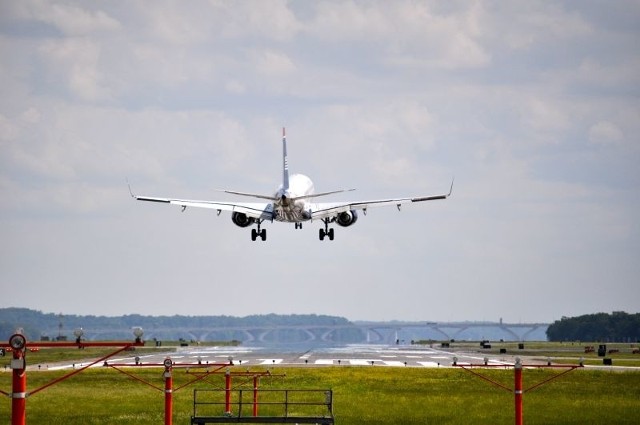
point(350, 355)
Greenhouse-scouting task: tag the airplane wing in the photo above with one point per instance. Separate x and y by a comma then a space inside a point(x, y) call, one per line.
point(258, 210)
point(324, 210)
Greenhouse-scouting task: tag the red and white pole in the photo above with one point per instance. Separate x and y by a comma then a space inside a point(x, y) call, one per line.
point(256, 379)
point(227, 393)
point(168, 392)
point(19, 384)
point(518, 390)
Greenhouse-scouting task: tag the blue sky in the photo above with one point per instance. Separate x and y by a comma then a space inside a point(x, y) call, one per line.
point(533, 106)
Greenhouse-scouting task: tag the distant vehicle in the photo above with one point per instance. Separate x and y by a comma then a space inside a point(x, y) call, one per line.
point(292, 203)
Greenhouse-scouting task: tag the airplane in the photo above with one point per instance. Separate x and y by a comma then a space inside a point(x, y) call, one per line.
point(291, 203)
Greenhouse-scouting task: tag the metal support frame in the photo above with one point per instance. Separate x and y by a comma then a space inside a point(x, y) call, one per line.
point(19, 345)
point(167, 375)
point(518, 390)
point(254, 379)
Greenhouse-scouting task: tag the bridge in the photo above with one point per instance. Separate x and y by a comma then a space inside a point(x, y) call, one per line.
point(355, 333)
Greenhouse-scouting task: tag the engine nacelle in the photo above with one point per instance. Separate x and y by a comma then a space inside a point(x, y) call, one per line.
point(241, 219)
point(347, 218)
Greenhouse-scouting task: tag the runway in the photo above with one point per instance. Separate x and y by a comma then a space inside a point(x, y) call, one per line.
point(350, 355)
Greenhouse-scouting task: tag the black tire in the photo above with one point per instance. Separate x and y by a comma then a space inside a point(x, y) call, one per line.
point(331, 234)
point(322, 234)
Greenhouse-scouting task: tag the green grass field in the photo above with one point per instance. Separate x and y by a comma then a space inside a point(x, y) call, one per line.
point(379, 395)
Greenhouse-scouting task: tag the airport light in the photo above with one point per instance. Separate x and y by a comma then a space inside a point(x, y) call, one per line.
point(78, 334)
point(455, 361)
point(17, 341)
point(138, 332)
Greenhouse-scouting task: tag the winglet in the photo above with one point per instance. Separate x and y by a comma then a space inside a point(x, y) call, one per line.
point(285, 163)
point(130, 191)
point(451, 188)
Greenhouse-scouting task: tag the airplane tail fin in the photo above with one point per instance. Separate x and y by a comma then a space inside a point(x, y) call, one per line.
point(285, 163)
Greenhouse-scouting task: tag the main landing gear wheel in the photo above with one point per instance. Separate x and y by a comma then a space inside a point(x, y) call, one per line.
point(324, 233)
point(255, 233)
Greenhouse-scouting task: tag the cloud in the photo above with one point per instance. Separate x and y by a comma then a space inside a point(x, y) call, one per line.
point(605, 133)
point(408, 34)
point(69, 19)
point(76, 64)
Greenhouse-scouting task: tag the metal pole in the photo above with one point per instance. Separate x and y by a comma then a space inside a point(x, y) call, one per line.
point(227, 393)
point(19, 388)
point(168, 396)
point(518, 390)
point(255, 395)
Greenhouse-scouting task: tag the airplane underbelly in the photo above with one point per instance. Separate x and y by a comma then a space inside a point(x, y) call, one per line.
point(291, 214)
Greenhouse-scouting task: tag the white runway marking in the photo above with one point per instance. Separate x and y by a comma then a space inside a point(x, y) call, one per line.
point(271, 361)
point(359, 362)
point(395, 363)
point(429, 364)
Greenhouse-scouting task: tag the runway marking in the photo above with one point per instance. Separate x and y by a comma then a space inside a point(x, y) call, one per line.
point(324, 361)
point(429, 364)
point(393, 363)
point(271, 361)
point(358, 362)
point(364, 362)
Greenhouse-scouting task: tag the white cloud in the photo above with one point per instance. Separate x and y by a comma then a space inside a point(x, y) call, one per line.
point(526, 26)
point(70, 19)
point(273, 63)
point(605, 133)
point(76, 63)
point(408, 34)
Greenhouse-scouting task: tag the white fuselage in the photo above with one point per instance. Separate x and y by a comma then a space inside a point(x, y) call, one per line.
point(290, 203)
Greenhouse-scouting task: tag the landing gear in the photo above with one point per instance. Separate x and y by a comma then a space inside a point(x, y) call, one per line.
point(326, 231)
point(255, 233)
point(298, 225)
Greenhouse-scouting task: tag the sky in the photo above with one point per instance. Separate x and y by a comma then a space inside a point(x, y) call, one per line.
point(533, 107)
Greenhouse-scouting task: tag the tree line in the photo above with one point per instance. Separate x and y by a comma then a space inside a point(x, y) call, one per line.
point(600, 327)
point(36, 323)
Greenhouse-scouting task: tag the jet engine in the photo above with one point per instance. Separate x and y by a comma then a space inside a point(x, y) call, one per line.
point(347, 218)
point(241, 219)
